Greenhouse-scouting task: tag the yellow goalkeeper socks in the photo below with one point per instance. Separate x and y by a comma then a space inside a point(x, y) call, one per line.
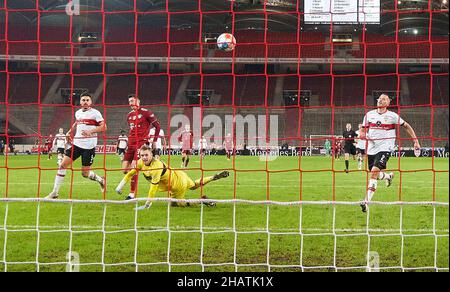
point(201, 182)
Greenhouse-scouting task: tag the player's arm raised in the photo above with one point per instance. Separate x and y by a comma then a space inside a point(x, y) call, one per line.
point(412, 134)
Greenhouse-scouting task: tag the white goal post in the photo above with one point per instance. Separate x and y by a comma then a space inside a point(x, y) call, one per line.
point(318, 141)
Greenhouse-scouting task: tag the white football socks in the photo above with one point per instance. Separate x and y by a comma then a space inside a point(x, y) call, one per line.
point(371, 188)
point(383, 176)
point(59, 179)
point(360, 163)
point(95, 177)
point(60, 158)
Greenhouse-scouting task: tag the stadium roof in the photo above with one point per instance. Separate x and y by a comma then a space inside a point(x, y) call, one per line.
point(223, 21)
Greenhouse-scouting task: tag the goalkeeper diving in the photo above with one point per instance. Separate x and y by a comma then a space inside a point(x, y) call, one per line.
point(162, 178)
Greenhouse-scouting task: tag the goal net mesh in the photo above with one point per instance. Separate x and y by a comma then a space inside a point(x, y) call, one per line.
point(288, 86)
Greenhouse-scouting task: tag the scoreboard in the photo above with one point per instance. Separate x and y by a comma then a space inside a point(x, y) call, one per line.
point(342, 11)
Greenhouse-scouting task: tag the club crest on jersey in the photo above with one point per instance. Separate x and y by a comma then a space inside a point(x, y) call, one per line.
point(378, 123)
point(136, 117)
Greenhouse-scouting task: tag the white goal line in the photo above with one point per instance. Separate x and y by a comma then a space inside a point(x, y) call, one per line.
point(155, 228)
point(236, 265)
point(272, 185)
point(234, 201)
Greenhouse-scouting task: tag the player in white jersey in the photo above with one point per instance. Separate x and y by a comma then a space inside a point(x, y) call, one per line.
point(83, 137)
point(379, 129)
point(60, 143)
point(122, 144)
point(159, 145)
point(202, 146)
point(360, 148)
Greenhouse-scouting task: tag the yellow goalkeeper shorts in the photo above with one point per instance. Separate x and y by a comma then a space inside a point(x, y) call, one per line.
point(181, 184)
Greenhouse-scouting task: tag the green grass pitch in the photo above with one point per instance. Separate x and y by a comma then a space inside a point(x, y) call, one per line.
point(275, 238)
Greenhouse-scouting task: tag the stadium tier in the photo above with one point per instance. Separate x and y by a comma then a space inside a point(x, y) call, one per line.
point(56, 41)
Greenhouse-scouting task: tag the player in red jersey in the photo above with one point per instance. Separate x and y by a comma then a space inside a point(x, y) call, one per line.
point(140, 121)
point(337, 149)
point(228, 146)
point(186, 139)
point(49, 144)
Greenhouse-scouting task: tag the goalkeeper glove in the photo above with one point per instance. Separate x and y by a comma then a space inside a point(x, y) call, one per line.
point(144, 207)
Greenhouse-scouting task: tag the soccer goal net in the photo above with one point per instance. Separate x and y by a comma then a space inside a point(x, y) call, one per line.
point(298, 69)
point(65, 236)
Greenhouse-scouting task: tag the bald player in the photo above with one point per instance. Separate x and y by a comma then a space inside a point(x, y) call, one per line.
point(379, 129)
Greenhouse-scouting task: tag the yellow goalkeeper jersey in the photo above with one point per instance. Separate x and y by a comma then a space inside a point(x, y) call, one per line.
point(163, 179)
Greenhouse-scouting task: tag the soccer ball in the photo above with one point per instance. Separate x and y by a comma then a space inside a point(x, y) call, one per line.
point(226, 42)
